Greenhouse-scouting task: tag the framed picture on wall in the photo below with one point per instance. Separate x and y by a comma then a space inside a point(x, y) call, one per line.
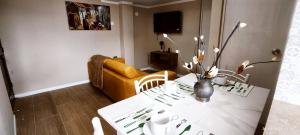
point(82, 16)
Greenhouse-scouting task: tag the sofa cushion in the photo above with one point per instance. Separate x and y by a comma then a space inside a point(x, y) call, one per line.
point(121, 68)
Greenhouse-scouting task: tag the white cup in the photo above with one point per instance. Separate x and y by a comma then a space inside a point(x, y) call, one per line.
point(160, 123)
point(171, 86)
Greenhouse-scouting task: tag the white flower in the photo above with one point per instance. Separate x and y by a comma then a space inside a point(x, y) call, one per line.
point(242, 25)
point(213, 72)
point(196, 39)
point(216, 50)
point(188, 66)
point(251, 66)
point(202, 37)
point(245, 63)
point(165, 35)
point(177, 51)
point(195, 60)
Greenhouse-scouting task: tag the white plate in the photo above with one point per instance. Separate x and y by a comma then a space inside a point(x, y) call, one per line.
point(147, 129)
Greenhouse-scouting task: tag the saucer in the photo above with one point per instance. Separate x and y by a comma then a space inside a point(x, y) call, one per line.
point(147, 129)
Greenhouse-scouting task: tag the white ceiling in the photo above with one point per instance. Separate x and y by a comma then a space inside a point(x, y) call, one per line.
point(146, 2)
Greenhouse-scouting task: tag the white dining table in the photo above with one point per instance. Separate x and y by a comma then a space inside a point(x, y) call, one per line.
point(224, 114)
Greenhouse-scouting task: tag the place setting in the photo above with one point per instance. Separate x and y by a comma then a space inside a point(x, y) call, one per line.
point(154, 120)
point(166, 94)
point(233, 87)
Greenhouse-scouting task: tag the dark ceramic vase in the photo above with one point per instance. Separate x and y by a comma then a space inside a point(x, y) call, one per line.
point(203, 90)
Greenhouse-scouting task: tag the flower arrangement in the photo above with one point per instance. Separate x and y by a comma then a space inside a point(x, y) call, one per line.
point(196, 66)
point(203, 88)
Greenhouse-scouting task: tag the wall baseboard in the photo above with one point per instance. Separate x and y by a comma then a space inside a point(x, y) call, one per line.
point(15, 125)
point(33, 92)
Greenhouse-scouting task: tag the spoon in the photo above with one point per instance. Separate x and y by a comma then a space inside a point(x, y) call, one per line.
point(140, 126)
point(188, 128)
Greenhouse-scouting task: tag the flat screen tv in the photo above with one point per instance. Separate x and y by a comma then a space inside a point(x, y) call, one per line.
point(168, 22)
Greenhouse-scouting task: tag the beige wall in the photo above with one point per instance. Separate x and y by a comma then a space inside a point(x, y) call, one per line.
point(268, 23)
point(145, 40)
point(40, 49)
point(6, 114)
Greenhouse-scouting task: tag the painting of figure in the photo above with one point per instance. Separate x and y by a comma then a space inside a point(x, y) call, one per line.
point(82, 16)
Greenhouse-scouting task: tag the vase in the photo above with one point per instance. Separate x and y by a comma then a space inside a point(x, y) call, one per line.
point(203, 90)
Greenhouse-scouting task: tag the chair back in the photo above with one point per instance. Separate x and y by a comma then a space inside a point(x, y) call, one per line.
point(97, 126)
point(150, 81)
point(234, 76)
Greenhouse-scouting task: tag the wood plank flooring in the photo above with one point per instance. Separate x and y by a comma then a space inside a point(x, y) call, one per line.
point(63, 112)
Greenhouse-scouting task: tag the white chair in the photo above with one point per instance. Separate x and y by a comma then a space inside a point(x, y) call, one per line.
point(97, 126)
point(233, 75)
point(150, 81)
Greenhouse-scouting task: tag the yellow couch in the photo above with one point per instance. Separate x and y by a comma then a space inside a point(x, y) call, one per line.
point(118, 79)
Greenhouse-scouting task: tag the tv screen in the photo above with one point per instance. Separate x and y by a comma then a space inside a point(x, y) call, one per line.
point(168, 22)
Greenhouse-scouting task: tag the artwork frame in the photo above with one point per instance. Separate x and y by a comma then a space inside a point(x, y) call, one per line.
point(83, 16)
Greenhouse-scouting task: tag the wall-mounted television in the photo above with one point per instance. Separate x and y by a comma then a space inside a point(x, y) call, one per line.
point(168, 22)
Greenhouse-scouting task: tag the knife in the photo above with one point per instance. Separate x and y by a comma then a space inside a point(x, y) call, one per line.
point(163, 102)
point(142, 114)
point(171, 97)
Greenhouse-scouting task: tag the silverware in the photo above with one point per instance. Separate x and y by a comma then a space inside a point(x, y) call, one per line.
point(153, 91)
point(189, 90)
point(188, 128)
point(230, 89)
point(149, 110)
point(163, 102)
point(171, 97)
point(240, 85)
point(176, 95)
point(141, 125)
point(181, 122)
point(161, 111)
point(119, 120)
point(184, 85)
point(240, 90)
point(129, 124)
point(145, 93)
point(234, 83)
point(248, 85)
point(161, 98)
point(141, 110)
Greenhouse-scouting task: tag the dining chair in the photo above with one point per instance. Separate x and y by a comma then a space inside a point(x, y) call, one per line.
point(150, 81)
point(232, 75)
point(97, 126)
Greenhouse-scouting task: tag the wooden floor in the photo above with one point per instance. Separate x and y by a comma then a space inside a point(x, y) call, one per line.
point(63, 112)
